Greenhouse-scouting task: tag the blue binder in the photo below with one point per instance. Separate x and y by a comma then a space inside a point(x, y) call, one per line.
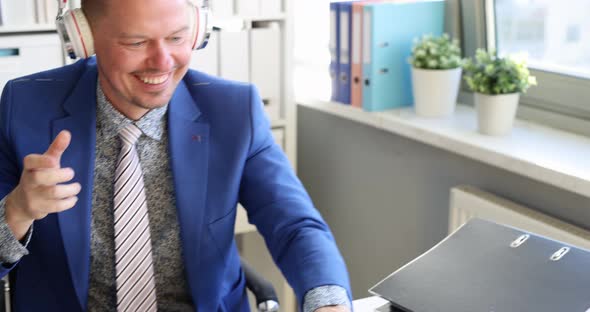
point(334, 49)
point(392, 28)
point(345, 49)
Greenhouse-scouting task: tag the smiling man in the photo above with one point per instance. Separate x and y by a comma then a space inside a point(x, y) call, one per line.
point(143, 53)
point(120, 176)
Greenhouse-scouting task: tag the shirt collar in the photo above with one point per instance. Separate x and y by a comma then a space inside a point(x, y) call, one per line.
point(109, 121)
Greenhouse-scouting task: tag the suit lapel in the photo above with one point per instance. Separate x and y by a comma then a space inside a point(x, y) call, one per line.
point(189, 146)
point(74, 223)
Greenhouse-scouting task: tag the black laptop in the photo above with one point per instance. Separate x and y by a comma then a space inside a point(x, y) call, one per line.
point(488, 267)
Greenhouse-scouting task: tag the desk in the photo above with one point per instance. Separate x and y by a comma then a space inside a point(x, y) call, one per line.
point(368, 304)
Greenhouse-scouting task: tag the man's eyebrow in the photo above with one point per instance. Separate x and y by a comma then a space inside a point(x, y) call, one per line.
point(184, 28)
point(125, 35)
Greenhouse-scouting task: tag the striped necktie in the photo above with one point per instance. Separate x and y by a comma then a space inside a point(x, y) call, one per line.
point(136, 290)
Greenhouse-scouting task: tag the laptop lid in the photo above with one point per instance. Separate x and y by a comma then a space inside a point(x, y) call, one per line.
point(484, 266)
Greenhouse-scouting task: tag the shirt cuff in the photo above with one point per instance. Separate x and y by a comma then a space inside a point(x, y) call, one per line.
point(11, 249)
point(325, 296)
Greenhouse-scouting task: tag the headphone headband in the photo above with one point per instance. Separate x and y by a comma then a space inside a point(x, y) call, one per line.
point(75, 33)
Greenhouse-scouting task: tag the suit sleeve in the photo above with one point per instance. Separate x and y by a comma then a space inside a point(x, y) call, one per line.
point(9, 177)
point(296, 235)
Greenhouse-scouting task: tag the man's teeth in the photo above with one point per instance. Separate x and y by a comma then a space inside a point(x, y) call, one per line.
point(154, 80)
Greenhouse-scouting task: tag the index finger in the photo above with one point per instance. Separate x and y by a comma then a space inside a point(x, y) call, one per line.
point(59, 144)
point(35, 161)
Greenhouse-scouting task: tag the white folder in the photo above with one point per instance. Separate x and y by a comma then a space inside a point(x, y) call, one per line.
point(270, 7)
point(265, 62)
point(75, 4)
point(234, 55)
point(248, 8)
point(207, 60)
point(222, 8)
point(51, 8)
point(18, 12)
point(1, 14)
point(40, 16)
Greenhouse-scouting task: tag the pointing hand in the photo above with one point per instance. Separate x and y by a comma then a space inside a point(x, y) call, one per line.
point(40, 190)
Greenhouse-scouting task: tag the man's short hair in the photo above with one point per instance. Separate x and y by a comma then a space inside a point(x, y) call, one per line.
point(93, 9)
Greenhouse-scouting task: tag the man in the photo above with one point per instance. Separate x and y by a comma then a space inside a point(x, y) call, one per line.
point(120, 175)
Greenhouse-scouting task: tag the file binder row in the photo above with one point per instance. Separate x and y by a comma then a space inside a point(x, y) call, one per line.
point(27, 12)
point(252, 55)
point(370, 43)
point(245, 8)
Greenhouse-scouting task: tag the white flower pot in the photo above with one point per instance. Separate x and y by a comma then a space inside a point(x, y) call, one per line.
point(435, 91)
point(495, 113)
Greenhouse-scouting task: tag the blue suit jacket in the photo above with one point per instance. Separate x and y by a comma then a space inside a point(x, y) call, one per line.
point(221, 153)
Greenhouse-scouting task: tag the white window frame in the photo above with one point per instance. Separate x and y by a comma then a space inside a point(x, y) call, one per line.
point(559, 100)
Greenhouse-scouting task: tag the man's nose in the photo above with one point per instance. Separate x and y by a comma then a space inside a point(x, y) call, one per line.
point(160, 57)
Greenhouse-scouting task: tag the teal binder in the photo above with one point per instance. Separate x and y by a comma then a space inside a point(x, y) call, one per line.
point(389, 30)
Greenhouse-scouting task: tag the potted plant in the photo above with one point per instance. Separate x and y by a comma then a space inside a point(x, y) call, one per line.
point(497, 83)
point(436, 75)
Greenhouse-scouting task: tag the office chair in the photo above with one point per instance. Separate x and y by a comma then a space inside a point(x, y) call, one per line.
point(4, 295)
point(264, 292)
point(266, 297)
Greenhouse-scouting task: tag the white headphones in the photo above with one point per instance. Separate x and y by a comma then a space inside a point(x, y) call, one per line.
point(76, 36)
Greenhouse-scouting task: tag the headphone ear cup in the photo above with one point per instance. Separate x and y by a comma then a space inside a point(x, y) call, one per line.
point(199, 18)
point(79, 33)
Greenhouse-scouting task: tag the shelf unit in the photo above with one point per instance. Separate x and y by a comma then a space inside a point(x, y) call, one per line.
point(20, 29)
point(233, 24)
point(250, 242)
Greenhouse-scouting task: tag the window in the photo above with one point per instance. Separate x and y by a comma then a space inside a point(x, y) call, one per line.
point(556, 37)
point(311, 52)
point(556, 34)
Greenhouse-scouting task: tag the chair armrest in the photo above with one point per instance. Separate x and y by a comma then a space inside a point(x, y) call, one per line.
point(263, 290)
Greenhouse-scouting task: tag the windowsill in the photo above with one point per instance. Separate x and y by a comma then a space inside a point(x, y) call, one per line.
point(552, 156)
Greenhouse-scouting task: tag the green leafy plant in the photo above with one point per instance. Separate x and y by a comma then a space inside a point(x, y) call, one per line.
point(490, 74)
point(431, 52)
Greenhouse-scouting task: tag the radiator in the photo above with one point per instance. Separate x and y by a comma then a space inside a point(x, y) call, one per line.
point(468, 201)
